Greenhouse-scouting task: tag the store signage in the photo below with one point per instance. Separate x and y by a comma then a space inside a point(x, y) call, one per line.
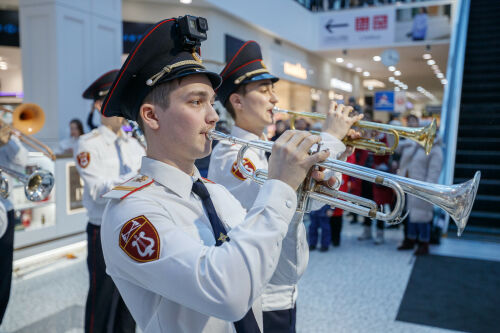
point(295, 70)
point(357, 28)
point(384, 101)
point(339, 84)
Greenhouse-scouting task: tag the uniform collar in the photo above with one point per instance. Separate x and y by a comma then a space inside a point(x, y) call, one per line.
point(169, 176)
point(243, 134)
point(110, 136)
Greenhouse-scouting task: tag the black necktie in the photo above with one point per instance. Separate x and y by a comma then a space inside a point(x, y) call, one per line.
point(247, 324)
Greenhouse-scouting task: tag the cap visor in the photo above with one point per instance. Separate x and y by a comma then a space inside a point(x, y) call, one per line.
point(260, 77)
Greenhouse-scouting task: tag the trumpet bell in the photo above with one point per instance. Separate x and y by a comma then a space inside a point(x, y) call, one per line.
point(39, 185)
point(461, 201)
point(28, 118)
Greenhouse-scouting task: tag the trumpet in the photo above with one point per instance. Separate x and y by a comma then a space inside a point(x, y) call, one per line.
point(424, 136)
point(456, 200)
point(37, 186)
point(28, 119)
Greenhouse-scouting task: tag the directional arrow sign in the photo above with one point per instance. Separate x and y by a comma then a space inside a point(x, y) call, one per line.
point(329, 25)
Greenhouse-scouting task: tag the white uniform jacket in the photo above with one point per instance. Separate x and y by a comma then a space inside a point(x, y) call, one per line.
point(223, 170)
point(159, 249)
point(14, 156)
point(98, 155)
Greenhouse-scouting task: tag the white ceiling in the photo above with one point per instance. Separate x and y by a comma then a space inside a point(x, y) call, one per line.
point(414, 69)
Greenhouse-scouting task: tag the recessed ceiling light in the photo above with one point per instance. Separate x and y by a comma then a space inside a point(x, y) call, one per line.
point(359, 70)
point(366, 73)
point(391, 68)
point(444, 81)
point(440, 75)
point(339, 60)
point(397, 73)
point(187, 2)
point(430, 62)
point(427, 56)
point(397, 89)
point(391, 78)
point(376, 58)
point(349, 65)
point(435, 67)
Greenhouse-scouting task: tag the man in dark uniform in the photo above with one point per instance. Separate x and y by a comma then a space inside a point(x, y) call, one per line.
point(105, 157)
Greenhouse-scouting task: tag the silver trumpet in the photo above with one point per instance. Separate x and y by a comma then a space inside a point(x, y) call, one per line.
point(37, 186)
point(456, 200)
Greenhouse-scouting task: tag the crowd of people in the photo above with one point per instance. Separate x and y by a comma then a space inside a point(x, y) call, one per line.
point(409, 160)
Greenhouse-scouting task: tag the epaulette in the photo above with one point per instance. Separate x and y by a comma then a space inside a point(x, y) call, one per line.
point(207, 181)
point(92, 134)
point(132, 185)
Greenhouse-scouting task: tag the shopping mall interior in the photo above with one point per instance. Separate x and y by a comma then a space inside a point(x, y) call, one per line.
point(424, 73)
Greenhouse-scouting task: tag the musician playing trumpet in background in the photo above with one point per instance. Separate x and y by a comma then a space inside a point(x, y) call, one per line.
point(15, 156)
point(247, 92)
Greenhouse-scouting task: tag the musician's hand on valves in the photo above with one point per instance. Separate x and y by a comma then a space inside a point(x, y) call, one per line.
point(290, 160)
point(338, 122)
point(353, 135)
point(4, 134)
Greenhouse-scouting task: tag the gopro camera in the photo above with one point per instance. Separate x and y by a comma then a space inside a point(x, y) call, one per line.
point(193, 30)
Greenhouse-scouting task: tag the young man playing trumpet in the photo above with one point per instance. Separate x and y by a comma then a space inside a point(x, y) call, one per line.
point(247, 92)
point(184, 254)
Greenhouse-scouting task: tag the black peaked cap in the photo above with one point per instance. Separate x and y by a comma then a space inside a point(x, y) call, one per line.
point(100, 87)
point(148, 65)
point(245, 66)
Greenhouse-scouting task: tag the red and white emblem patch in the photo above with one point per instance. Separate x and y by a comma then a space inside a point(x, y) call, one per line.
point(248, 165)
point(139, 240)
point(83, 159)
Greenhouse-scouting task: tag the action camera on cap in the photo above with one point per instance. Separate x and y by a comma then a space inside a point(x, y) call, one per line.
point(193, 30)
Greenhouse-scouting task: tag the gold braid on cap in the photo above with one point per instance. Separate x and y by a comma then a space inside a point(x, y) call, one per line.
point(103, 92)
point(252, 73)
point(167, 69)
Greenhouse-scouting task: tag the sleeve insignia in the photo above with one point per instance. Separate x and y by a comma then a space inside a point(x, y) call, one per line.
point(83, 159)
point(140, 240)
point(248, 165)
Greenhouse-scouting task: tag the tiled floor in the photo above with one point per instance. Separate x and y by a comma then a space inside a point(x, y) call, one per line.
point(354, 288)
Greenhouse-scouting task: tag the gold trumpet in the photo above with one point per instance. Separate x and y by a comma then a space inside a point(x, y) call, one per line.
point(28, 119)
point(424, 136)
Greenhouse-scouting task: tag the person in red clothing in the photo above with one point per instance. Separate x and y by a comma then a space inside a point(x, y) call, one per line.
point(336, 218)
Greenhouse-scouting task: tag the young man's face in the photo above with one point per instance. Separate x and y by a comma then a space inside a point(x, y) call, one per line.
point(257, 104)
point(185, 123)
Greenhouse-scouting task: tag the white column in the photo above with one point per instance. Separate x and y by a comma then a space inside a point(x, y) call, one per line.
point(65, 45)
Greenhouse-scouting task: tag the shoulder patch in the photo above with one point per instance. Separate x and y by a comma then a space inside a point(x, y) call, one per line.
point(248, 165)
point(83, 159)
point(140, 240)
point(132, 185)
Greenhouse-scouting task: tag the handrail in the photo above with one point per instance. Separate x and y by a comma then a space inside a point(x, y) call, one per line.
point(450, 111)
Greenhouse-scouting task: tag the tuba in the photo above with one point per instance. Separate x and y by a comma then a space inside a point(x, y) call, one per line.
point(28, 119)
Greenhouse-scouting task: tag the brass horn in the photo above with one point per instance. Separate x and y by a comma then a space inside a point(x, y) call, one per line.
point(28, 119)
point(422, 135)
point(456, 200)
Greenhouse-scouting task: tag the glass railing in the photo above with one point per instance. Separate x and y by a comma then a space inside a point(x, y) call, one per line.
point(328, 5)
point(450, 111)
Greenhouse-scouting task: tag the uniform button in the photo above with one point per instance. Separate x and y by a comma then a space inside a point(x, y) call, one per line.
point(288, 203)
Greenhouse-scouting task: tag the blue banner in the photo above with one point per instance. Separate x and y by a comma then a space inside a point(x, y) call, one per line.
point(384, 101)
